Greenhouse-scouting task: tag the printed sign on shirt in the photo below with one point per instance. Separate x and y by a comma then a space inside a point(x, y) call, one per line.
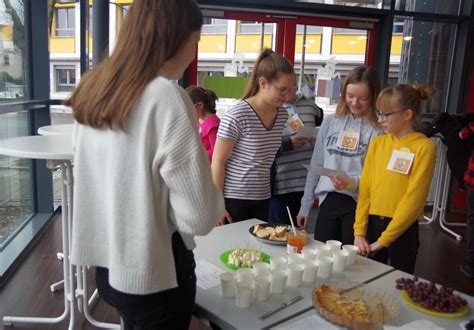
point(401, 161)
point(348, 140)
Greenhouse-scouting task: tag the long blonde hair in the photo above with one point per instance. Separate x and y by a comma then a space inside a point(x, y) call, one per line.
point(369, 76)
point(153, 32)
point(268, 65)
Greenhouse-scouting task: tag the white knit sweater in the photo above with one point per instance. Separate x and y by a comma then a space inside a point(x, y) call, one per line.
point(133, 189)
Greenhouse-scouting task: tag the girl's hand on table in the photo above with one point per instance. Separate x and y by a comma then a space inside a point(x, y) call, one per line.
point(301, 221)
point(225, 216)
point(363, 245)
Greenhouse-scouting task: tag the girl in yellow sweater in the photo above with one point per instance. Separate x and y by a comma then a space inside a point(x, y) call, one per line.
point(395, 180)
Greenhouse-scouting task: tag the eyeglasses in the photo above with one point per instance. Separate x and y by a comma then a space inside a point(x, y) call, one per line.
point(385, 115)
point(284, 90)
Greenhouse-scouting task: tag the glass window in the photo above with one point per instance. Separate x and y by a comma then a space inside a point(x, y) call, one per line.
point(65, 22)
point(12, 52)
point(422, 53)
point(16, 197)
point(65, 79)
point(378, 4)
point(449, 7)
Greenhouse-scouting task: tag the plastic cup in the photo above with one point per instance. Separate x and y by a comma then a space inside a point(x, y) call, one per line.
point(323, 251)
point(310, 271)
point(296, 241)
point(227, 285)
point(244, 274)
point(295, 275)
point(352, 250)
point(340, 259)
point(334, 245)
point(261, 269)
point(261, 288)
point(243, 295)
point(295, 258)
point(309, 254)
point(278, 263)
point(325, 266)
point(277, 281)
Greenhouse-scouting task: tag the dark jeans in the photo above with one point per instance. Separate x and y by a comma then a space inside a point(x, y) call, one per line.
point(244, 209)
point(336, 219)
point(169, 309)
point(402, 253)
point(470, 228)
point(278, 204)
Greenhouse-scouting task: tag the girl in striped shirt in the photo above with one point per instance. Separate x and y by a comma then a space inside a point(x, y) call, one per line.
point(249, 137)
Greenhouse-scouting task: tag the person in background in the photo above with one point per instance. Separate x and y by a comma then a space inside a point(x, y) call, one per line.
point(289, 174)
point(467, 134)
point(142, 178)
point(396, 180)
point(249, 137)
point(205, 104)
point(341, 145)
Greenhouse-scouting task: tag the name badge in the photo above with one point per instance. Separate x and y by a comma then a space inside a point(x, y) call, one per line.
point(401, 161)
point(294, 123)
point(348, 140)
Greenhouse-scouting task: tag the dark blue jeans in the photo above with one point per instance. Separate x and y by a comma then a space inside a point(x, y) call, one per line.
point(278, 204)
point(169, 309)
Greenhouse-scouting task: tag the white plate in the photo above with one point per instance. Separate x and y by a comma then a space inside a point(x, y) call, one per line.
point(269, 241)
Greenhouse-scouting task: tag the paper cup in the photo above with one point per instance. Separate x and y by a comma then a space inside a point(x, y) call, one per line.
point(244, 274)
point(352, 250)
point(309, 254)
point(295, 258)
point(325, 266)
point(295, 275)
point(243, 295)
point(261, 288)
point(334, 245)
point(278, 263)
point(277, 281)
point(323, 251)
point(227, 285)
point(340, 259)
point(261, 269)
point(310, 271)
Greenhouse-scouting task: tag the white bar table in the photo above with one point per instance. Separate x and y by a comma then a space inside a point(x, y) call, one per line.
point(62, 129)
point(57, 150)
point(225, 313)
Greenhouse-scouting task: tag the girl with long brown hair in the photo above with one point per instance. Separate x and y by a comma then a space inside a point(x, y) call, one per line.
point(141, 175)
point(249, 137)
point(341, 145)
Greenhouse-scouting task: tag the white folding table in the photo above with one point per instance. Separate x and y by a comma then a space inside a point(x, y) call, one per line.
point(225, 313)
point(61, 129)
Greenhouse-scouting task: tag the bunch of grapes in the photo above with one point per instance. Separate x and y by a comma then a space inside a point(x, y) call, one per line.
point(430, 296)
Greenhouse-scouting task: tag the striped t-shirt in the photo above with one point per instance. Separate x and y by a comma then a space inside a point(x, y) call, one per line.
point(247, 174)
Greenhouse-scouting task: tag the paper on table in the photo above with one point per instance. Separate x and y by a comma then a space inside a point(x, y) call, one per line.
point(312, 322)
point(207, 274)
point(322, 171)
point(415, 325)
point(307, 132)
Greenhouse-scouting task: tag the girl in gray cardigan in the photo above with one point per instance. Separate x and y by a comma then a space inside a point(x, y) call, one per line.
point(341, 145)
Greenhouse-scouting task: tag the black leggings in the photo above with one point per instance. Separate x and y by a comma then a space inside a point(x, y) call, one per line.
point(244, 209)
point(336, 219)
point(169, 309)
point(401, 253)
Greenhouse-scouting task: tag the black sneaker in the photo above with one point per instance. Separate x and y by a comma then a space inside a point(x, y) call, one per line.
point(467, 270)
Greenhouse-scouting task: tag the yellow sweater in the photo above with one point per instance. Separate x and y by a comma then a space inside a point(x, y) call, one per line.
point(386, 193)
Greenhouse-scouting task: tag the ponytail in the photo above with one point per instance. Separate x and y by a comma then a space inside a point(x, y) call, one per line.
point(206, 96)
point(268, 65)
